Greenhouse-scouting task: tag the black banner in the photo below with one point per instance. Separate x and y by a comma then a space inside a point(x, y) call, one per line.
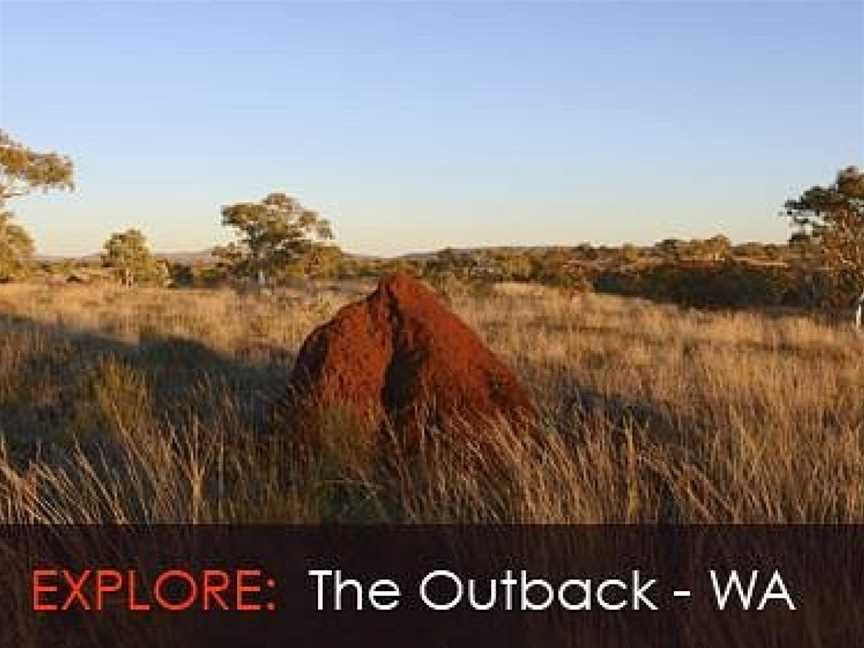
point(431, 586)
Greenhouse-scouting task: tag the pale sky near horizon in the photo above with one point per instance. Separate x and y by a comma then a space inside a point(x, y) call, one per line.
point(423, 125)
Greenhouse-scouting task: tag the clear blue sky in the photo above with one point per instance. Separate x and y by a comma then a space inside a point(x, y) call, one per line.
point(415, 126)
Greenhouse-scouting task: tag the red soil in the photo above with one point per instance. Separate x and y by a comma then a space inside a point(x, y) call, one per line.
point(401, 355)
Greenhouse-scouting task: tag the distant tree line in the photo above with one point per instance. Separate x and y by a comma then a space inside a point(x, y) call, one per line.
point(278, 238)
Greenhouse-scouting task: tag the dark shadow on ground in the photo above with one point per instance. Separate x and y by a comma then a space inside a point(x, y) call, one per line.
point(578, 411)
point(49, 376)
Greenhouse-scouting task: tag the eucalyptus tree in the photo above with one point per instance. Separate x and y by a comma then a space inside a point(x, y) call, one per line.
point(22, 171)
point(129, 254)
point(275, 236)
point(833, 218)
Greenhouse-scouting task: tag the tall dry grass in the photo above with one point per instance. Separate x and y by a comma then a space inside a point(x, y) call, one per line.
point(152, 406)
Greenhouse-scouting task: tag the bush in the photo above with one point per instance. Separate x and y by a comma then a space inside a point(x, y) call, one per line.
point(181, 274)
point(728, 284)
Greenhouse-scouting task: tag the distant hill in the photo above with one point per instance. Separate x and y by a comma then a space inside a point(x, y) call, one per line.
point(206, 256)
point(510, 249)
point(203, 256)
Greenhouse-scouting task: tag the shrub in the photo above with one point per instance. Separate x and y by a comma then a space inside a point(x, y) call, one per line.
point(728, 284)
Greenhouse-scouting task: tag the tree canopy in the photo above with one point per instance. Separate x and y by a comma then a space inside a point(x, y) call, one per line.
point(129, 252)
point(832, 218)
point(16, 247)
point(23, 170)
point(275, 236)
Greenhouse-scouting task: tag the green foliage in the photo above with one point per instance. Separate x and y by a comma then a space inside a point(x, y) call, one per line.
point(23, 170)
point(773, 252)
point(832, 219)
point(129, 252)
point(212, 276)
point(512, 266)
point(729, 284)
point(181, 274)
point(717, 248)
point(459, 264)
point(391, 266)
point(750, 250)
point(671, 249)
point(629, 253)
point(276, 237)
point(558, 268)
point(451, 271)
point(321, 262)
point(587, 252)
point(16, 248)
point(446, 284)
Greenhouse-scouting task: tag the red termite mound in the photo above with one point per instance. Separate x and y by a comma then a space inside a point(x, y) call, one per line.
point(400, 354)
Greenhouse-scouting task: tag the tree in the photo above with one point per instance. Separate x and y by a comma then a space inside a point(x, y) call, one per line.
point(586, 252)
point(512, 265)
point(323, 261)
point(16, 247)
point(275, 236)
point(716, 248)
point(671, 249)
point(450, 261)
point(833, 218)
point(749, 250)
point(803, 244)
point(129, 253)
point(22, 171)
point(629, 253)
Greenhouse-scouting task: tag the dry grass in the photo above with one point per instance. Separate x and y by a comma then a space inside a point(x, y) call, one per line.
point(151, 406)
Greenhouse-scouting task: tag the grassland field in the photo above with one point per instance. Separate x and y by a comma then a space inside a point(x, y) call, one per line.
point(154, 405)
